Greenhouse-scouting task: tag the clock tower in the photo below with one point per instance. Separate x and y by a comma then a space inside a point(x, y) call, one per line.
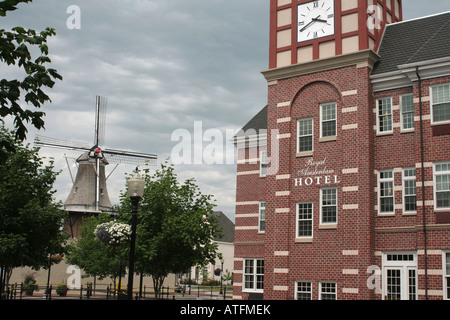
point(305, 30)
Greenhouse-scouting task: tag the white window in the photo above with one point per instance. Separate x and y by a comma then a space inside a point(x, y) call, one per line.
point(442, 185)
point(262, 217)
point(305, 135)
point(327, 291)
point(440, 103)
point(303, 290)
point(386, 191)
point(304, 220)
point(328, 120)
point(254, 275)
point(446, 275)
point(328, 206)
point(384, 112)
point(409, 190)
point(399, 276)
point(263, 163)
point(407, 112)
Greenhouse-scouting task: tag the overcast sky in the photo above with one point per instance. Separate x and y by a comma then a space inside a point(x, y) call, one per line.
point(163, 65)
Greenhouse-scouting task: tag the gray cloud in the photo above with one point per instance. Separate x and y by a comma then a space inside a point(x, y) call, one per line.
point(162, 65)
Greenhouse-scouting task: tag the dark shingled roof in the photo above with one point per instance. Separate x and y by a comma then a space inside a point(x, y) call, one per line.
point(258, 122)
point(414, 41)
point(226, 226)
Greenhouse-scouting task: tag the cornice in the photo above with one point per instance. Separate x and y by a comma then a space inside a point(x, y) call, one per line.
point(366, 58)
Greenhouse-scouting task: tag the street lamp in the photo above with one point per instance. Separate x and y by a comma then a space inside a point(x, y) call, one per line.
point(136, 186)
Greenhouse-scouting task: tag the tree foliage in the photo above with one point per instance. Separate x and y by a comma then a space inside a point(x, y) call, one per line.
point(95, 258)
point(176, 226)
point(14, 51)
point(30, 220)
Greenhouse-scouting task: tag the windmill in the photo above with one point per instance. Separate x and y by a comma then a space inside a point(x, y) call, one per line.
point(89, 193)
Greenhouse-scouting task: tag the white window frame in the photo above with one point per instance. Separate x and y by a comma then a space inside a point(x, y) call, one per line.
point(402, 113)
point(446, 275)
point(253, 274)
point(321, 286)
point(390, 114)
point(263, 163)
point(297, 220)
point(322, 105)
point(385, 180)
point(404, 180)
point(432, 103)
point(435, 174)
point(312, 135)
point(322, 206)
point(303, 292)
point(262, 206)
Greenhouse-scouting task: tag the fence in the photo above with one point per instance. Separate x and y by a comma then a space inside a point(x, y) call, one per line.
point(113, 292)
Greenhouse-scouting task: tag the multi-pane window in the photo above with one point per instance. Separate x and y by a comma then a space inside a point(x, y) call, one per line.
point(328, 205)
point(304, 220)
point(263, 163)
point(254, 274)
point(386, 191)
point(384, 115)
point(409, 190)
point(303, 291)
point(442, 185)
point(328, 120)
point(407, 105)
point(328, 291)
point(441, 103)
point(262, 216)
point(305, 135)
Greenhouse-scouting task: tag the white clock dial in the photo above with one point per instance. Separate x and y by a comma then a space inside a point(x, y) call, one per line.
point(315, 20)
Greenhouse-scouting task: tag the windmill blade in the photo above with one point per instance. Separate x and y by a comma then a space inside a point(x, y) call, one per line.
point(59, 143)
point(100, 120)
point(129, 157)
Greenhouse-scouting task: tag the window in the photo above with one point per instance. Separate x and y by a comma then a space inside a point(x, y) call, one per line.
point(305, 135)
point(442, 185)
point(386, 191)
point(262, 216)
point(304, 220)
point(328, 205)
point(440, 103)
point(447, 275)
point(407, 105)
point(409, 190)
point(384, 118)
point(254, 275)
point(303, 291)
point(328, 120)
point(327, 291)
point(263, 163)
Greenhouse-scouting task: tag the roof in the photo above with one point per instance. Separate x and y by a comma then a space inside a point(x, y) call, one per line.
point(414, 41)
point(255, 126)
point(226, 226)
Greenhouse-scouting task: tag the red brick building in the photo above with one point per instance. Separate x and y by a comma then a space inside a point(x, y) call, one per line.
point(343, 179)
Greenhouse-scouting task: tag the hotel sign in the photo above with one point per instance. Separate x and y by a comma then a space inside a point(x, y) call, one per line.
point(316, 173)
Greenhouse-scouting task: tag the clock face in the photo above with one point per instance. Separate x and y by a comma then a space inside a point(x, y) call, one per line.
point(315, 20)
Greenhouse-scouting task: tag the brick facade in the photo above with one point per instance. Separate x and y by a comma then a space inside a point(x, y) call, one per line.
point(363, 244)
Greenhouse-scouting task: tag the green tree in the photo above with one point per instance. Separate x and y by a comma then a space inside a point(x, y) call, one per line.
point(176, 226)
point(30, 221)
point(14, 51)
point(95, 258)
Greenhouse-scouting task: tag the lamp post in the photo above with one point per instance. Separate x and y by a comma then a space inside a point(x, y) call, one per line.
point(136, 186)
point(221, 277)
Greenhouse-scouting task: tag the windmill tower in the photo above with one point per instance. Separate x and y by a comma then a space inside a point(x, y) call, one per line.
point(89, 194)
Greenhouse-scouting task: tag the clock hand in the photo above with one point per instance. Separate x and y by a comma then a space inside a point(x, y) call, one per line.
point(310, 23)
point(321, 20)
